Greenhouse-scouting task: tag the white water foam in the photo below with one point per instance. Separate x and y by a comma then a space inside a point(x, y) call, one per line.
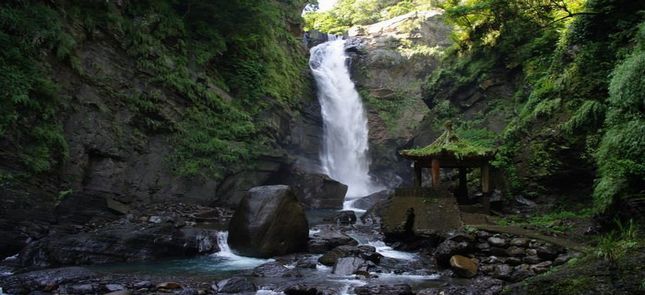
point(344, 155)
point(387, 251)
point(232, 261)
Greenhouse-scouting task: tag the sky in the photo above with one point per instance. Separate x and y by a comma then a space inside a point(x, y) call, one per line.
point(326, 4)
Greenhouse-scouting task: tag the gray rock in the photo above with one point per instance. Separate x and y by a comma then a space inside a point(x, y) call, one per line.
point(119, 242)
point(541, 267)
point(514, 261)
point(269, 222)
point(236, 285)
point(562, 259)
point(347, 217)
point(448, 248)
point(548, 251)
point(365, 252)
point(327, 239)
point(502, 271)
point(395, 289)
point(497, 242)
point(520, 242)
point(316, 191)
point(48, 278)
point(274, 270)
point(347, 265)
point(82, 289)
point(515, 251)
point(143, 284)
point(114, 287)
point(521, 272)
point(531, 259)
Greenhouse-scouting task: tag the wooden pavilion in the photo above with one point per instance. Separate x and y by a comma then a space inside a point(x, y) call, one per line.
point(448, 151)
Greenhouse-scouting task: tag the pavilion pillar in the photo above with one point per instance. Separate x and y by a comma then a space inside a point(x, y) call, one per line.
point(486, 184)
point(436, 172)
point(462, 190)
point(418, 176)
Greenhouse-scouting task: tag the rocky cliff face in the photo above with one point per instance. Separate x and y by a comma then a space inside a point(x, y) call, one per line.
point(124, 113)
point(390, 60)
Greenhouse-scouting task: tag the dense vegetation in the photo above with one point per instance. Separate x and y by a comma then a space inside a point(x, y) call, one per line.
point(582, 75)
point(577, 70)
point(226, 74)
point(348, 13)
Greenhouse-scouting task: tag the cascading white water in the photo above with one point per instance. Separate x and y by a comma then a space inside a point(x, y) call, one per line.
point(231, 261)
point(344, 155)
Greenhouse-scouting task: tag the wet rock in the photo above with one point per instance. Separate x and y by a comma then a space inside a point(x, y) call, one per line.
point(449, 248)
point(269, 222)
point(347, 265)
point(515, 251)
point(524, 202)
point(274, 270)
point(236, 285)
point(497, 242)
point(169, 285)
point(463, 266)
point(143, 284)
point(562, 259)
point(497, 251)
point(119, 242)
point(347, 217)
point(478, 286)
point(531, 252)
point(521, 272)
point(483, 246)
point(548, 251)
point(531, 259)
point(327, 239)
point(82, 289)
point(155, 219)
point(396, 289)
point(114, 287)
point(188, 291)
point(121, 292)
point(45, 280)
point(501, 271)
point(316, 191)
point(541, 267)
point(514, 261)
point(372, 200)
point(483, 235)
point(520, 242)
point(365, 252)
point(300, 289)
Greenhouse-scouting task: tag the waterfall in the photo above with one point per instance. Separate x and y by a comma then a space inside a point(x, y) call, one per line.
point(344, 155)
point(231, 261)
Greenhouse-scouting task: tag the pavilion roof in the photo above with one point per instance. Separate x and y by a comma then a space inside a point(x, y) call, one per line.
point(449, 146)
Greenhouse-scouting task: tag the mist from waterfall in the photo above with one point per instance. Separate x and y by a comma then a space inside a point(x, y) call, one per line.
point(344, 155)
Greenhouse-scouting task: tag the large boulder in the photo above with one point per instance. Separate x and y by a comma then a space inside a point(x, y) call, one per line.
point(268, 222)
point(317, 191)
point(119, 243)
point(328, 237)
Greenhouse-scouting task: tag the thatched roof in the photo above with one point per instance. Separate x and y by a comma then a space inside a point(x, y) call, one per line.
point(450, 146)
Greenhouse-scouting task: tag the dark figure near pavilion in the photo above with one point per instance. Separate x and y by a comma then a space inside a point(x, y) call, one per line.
point(408, 226)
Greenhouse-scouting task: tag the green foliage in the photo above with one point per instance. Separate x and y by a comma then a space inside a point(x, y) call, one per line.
point(29, 101)
point(615, 244)
point(450, 143)
point(564, 51)
point(557, 221)
point(589, 115)
point(224, 62)
point(349, 13)
point(622, 149)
